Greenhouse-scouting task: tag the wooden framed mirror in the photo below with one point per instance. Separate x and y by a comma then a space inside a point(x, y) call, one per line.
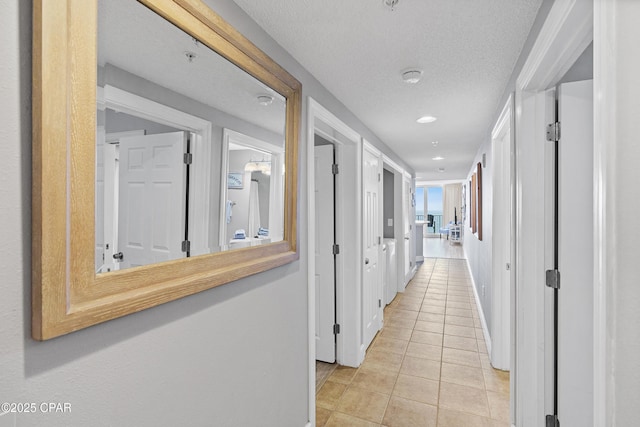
point(78, 88)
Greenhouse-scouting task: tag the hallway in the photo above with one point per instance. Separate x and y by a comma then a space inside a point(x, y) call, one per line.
point(434, 246)
point(427, 367)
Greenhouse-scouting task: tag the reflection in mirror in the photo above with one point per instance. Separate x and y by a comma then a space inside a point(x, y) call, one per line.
point(165, 152)
point(251, 191)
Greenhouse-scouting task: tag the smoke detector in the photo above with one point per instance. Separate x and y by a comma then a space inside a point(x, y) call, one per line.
point(411, 76)
point(265, 100)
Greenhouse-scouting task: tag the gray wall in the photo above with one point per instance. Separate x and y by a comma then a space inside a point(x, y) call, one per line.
point(478, 252)
point(121, 122)
point(582, 69)
point(236, 355)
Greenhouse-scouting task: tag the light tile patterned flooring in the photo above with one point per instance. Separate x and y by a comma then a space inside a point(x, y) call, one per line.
point(427, 367)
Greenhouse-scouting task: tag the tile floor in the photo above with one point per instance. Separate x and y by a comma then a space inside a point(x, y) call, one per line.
point(427, 367)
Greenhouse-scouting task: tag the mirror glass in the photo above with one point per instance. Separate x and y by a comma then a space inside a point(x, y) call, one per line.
point(189, 147)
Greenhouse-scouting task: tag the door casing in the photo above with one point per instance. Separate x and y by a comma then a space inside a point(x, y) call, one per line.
point(567, 31)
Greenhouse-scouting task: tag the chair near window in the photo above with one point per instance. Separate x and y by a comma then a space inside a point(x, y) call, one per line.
point(445, 230)
point(430, 223)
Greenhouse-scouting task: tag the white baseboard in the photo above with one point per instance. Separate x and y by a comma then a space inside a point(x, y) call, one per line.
point(485, 330)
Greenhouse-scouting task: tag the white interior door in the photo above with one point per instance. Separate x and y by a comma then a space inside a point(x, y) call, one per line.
point(152, 198)
point(372, 240)
point(324, 257)
point(501, 244)
point(406, 220)
point(575, 254)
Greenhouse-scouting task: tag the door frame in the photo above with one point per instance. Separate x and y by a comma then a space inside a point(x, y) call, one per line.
point(398, 227)
point(411, 223)
point(348, 235)
point(199, 192)
point(276, 221)
point(565, 34)
point(501, 341)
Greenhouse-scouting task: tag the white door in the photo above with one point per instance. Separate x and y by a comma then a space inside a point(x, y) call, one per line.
point(406, 216)
point(152, 198)
point(372, 240)
point(575, 255)
point(325, 259)
point(501, 247)
point(100, 250)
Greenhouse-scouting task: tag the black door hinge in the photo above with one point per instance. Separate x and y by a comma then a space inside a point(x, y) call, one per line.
point(188, 158)
point(336, 329)
point(334, 169)
point(552, 279)
point(336, 249)
point(186, 246)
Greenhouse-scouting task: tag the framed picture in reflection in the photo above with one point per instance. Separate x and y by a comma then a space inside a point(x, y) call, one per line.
point(234, 180)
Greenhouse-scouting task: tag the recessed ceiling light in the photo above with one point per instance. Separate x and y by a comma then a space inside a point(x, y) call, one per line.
point(434, 143)
point(411, 76)
point(437, 158)
point(440, 169)
point(426, 119)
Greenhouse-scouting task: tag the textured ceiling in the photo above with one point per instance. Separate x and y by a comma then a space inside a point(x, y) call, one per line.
point(358, 48)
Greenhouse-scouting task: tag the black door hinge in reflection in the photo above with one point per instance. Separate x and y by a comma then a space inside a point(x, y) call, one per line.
point(552, 421)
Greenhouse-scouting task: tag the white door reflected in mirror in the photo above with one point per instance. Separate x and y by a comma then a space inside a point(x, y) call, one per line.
point(165, 148)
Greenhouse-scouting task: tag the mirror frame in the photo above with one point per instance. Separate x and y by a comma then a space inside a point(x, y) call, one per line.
point(67, 294)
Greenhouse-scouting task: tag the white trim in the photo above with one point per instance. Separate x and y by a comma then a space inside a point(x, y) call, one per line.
point(126, 102)
point(565, 34)
point(368, 146)
point(501, 319)
point(347, 351)
point(605, 61)
point(386, 159)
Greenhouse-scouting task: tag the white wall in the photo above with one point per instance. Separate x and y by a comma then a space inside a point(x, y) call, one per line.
point(478, 252)
point(235, 355)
